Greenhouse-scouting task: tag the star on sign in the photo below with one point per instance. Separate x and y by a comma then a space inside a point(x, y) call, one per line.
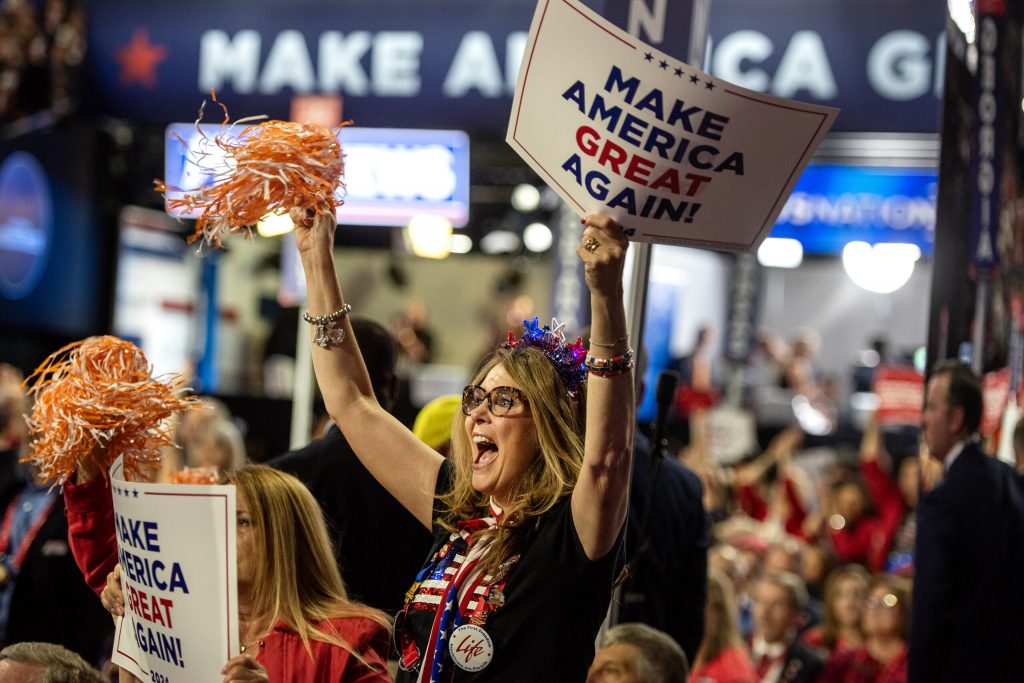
point(139, 59)
point(135, 494)
point(709, 85)
point(679, 72)
point(648, 56)
point(663, 64)
point(694, 78)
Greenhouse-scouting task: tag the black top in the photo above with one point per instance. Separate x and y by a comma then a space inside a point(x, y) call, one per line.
point(667, 587)
point(51, 602)
point(379, 545)
point(555, 601)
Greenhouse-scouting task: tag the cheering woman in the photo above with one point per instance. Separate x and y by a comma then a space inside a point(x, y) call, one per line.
point(528, 511)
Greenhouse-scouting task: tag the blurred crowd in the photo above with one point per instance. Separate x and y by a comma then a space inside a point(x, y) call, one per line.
point(808, 544)
point(42, 47)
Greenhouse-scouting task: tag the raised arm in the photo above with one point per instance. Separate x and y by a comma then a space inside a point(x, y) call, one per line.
point(600, 498)
point(402, 464)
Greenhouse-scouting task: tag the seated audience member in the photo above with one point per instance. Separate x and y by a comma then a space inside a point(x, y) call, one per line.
point(637, 653)
point(778, 604)
point(359, 511)
point(44, 663)
point(845, 591)
point(296, 622)
point(723, 656)
point(882, 658)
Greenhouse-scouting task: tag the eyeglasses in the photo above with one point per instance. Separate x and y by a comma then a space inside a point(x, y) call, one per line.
point(886, 601)
point(500, 400)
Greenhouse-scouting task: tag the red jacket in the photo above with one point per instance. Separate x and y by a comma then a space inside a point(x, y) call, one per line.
point(868, 539)
point(755, 506)
point(286, 658)
point(90, 513)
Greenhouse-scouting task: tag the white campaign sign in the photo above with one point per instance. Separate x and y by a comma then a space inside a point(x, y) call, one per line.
point(673, 154)
point(176, 546)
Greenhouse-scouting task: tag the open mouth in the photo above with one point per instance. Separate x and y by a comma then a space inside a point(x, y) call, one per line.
point(486, 452)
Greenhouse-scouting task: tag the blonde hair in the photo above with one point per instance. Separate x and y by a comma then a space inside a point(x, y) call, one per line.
point(829, 622)
point(558, 421)
point(721, 625)
point(296, 578)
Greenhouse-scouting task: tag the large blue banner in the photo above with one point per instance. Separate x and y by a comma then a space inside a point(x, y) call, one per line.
point(832, 205)
point(454, 63)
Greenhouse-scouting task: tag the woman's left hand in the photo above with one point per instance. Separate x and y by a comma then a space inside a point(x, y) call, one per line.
point(603, 250)
point(244, 669)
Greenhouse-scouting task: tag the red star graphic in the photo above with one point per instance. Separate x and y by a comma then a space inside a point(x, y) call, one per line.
point(139, 60)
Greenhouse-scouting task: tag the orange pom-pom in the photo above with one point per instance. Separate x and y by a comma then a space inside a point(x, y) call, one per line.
point(95, 400)
point(271, 168)
point(198, 475)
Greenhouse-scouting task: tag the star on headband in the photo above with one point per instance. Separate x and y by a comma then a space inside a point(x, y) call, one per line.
point(568, 359)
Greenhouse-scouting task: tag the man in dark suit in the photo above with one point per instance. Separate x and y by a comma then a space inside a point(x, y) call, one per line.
point(667, 534)
point(779, 603)
point(379, 545)
point(967, 619)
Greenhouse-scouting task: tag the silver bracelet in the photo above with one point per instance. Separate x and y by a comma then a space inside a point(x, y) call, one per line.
point(327, 331)
point(615, 343)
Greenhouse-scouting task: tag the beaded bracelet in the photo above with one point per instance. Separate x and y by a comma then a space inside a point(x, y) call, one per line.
point(615, 343)
point(327, 331)
point(610, 367)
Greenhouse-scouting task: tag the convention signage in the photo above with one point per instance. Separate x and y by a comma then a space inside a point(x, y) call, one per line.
point(995, 392)
point(176, 547)
point(900, 392)
point(674, 155)
point(391, 174)
point(453, 63)
point(834, 204)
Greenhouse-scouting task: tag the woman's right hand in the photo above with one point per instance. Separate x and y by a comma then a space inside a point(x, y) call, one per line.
point(244, 669)
point(112, 597)
point(313, 233)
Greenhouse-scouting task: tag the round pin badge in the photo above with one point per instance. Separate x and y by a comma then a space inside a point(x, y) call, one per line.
point(471, 648)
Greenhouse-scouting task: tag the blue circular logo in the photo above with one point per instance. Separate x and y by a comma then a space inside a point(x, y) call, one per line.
point(26, 224)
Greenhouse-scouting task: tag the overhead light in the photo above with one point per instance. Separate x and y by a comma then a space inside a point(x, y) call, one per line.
point(537, 237)
point(525, 198)
point(500, 242)
point(962, 14)
point(780, 252)
point(430, 235)
point(462, 244)
point(274, 224)
point(882, 268)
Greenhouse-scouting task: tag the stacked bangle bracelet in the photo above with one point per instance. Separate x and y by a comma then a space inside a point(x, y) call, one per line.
point(327, 331)
point(610, 367)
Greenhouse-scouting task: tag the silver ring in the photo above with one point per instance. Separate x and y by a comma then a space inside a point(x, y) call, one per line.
point(591, 245)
